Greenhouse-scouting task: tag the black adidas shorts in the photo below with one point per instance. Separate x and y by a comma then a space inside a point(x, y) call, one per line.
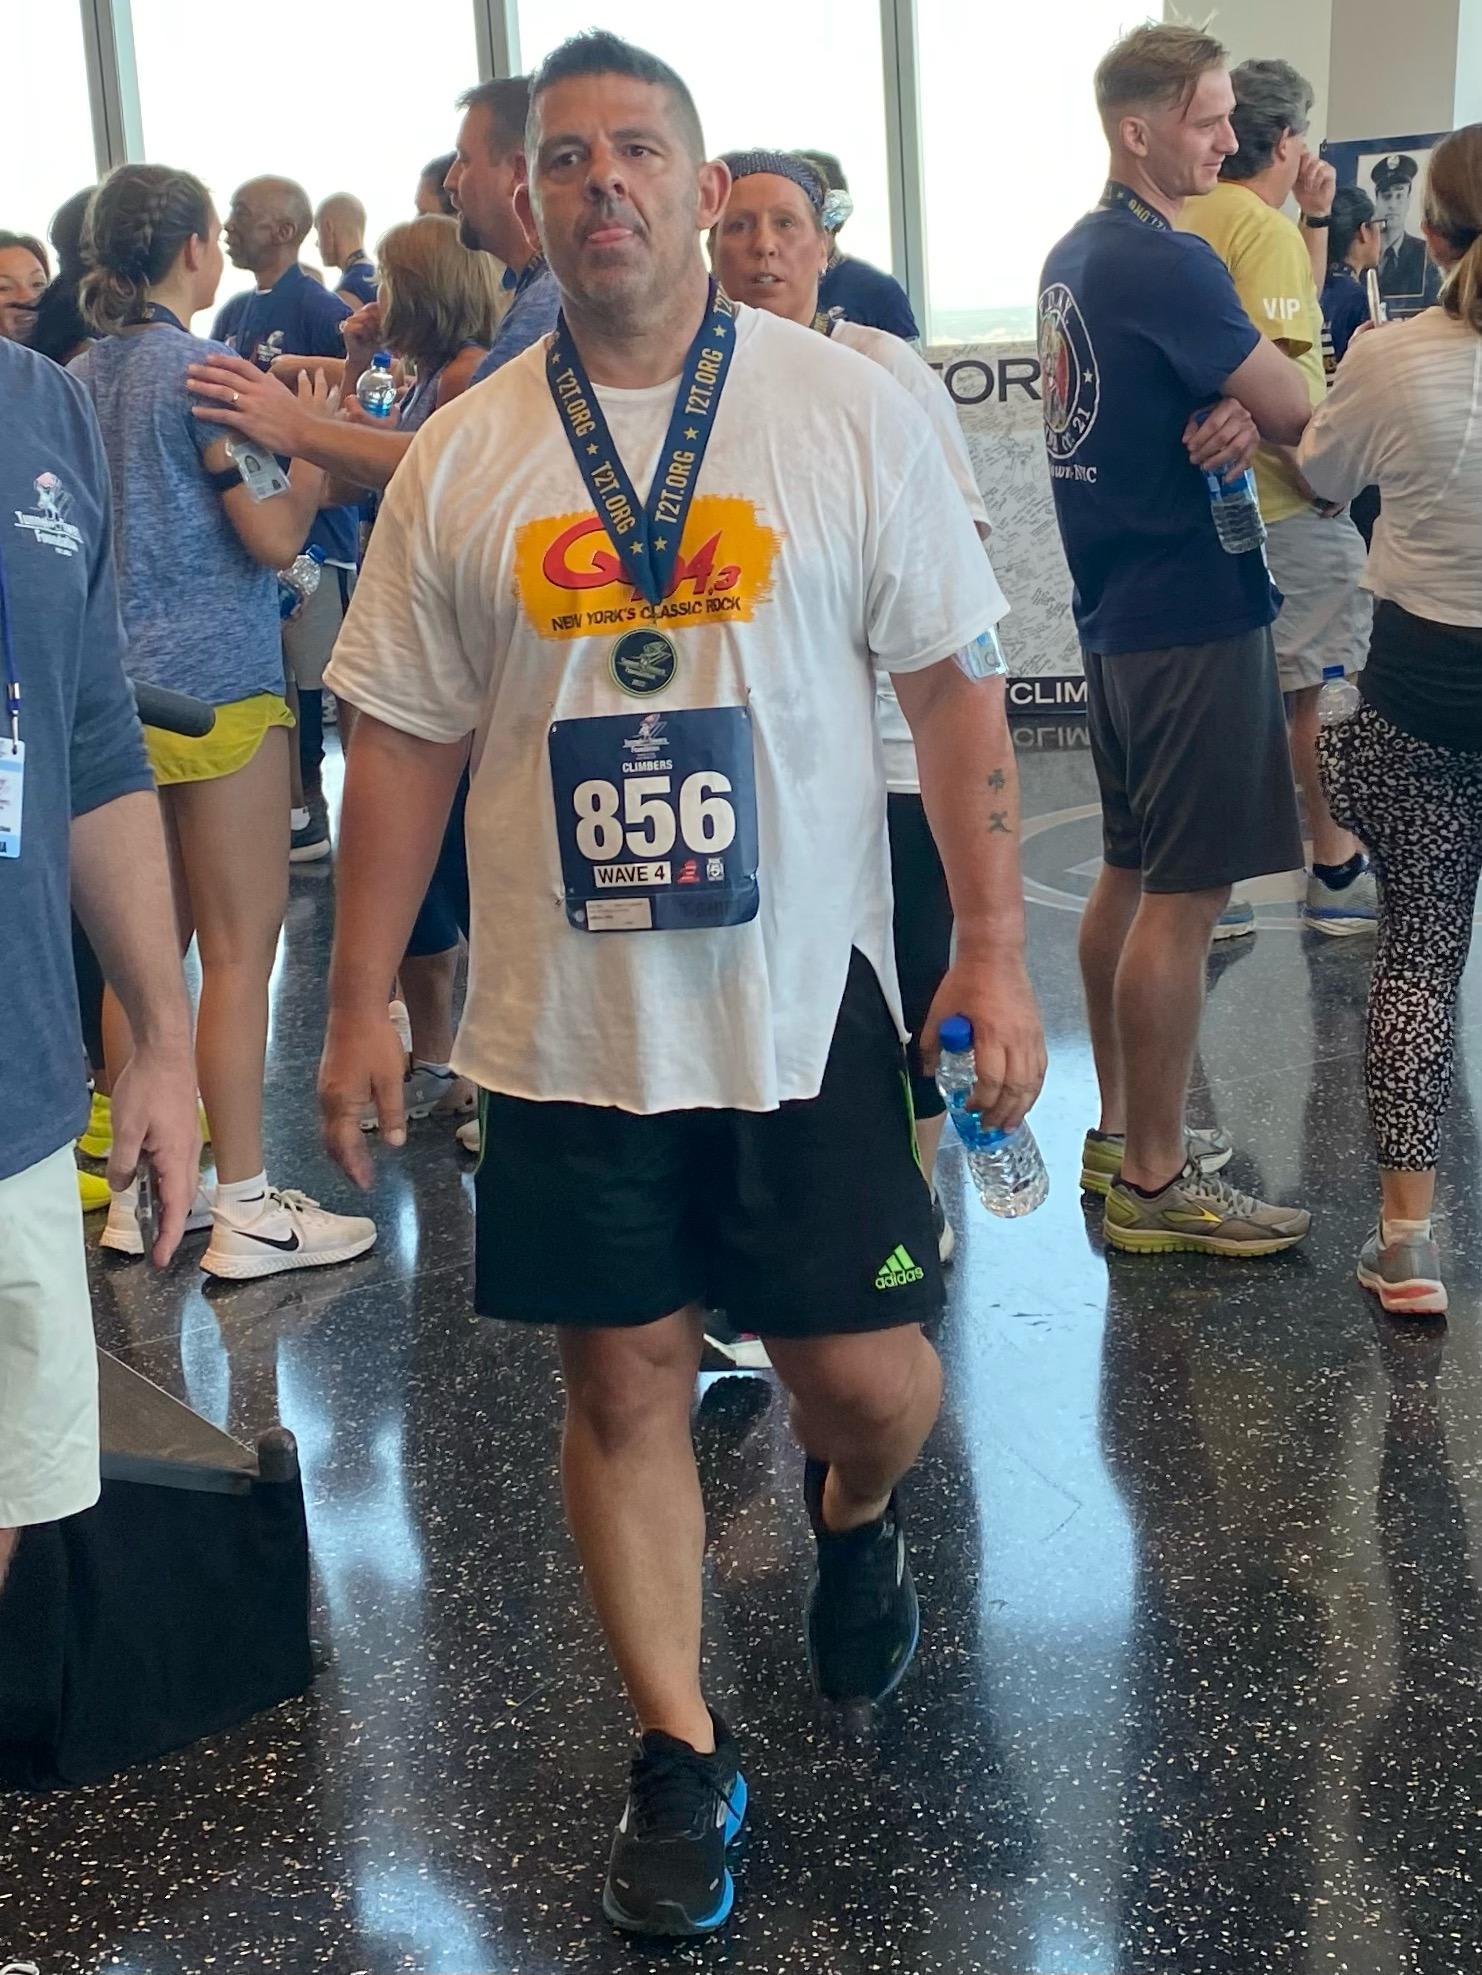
point(806, 1221)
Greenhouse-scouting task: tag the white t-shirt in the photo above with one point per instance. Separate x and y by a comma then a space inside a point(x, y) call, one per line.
point(915, 374)
point(826, 537)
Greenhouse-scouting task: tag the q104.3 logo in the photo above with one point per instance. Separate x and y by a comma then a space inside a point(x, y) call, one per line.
point(1070, 379)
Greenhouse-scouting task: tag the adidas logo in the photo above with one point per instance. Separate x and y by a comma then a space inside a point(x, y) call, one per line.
point(897, 1270)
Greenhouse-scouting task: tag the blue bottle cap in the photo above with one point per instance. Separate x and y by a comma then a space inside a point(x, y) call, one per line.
point(315, 553)
point(381, 360)
point(1332, 672)
point(956, 1034)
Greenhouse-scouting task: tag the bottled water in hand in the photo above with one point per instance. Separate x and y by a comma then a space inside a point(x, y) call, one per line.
point(376, 389)
point(1236, 510)
point(1006, 1167)
point(296, 584)
point(1339, 699)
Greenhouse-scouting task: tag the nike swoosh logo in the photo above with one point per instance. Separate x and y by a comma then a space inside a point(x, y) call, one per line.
point(271, 1241)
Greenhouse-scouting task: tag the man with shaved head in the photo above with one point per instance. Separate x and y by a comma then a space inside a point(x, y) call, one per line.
point(290, 314)
point(340, 224)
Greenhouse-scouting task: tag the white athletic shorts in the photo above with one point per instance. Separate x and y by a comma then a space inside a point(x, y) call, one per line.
point(1316, 563)
point(48, 1363)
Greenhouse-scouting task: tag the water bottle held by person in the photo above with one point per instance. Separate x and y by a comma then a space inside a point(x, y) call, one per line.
point(1339, 699)
point(1006, 1167)
point(298, 582)
point(1236, 509)
point(376, 389)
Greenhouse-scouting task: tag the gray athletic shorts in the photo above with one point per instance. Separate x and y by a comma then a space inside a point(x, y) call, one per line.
point(1191, 756)
point(1316, 563)
point(308, 639)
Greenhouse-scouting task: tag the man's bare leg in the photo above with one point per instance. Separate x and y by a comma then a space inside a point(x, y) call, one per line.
point(634, 1507)
point(1105, 925)
point(1158, 1002)
point(864, 1403)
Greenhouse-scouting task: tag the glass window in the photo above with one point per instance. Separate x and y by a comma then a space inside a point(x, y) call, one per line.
point(801, 74)
point(1004, 179)
point(46, 132)
point(343, 99)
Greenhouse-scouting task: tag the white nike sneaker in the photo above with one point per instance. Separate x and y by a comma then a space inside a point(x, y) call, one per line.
point(470, 1136)
point(289, 1231)
point(121, 1231)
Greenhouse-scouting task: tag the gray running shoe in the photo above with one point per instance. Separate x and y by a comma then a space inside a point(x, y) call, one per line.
point(428, 1094)
point(1199, 1215)
point(1405, 1276)
point(1236, 921)
point(1101, 1156)
point(1352, 908)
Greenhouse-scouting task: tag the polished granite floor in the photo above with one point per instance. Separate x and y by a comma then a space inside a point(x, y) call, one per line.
point(1200, 1688)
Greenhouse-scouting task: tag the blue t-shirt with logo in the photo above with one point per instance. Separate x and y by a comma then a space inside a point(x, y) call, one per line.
point(297, 317)
point(868, 295)
point(78, 727)
point(358, 280)
point(1139, 326)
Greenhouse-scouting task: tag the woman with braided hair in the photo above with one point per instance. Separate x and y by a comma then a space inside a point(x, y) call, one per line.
point(199, 533)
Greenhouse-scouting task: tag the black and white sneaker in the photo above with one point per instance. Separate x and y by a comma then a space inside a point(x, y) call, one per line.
point(863, 1618)
point(730, 1350)
point(309, 840)
point(668, 1874)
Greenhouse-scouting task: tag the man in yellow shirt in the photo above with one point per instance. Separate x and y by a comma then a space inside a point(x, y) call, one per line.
point(1316, 555)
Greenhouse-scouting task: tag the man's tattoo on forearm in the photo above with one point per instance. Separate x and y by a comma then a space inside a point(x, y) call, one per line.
point(998, 780)
point(998, 824)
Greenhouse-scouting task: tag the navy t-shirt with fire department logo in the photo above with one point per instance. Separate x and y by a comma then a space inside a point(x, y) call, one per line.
point(1139, 327)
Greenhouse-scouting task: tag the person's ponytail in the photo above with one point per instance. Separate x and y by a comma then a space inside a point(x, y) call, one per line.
point(138, 221)
point(1453, 210)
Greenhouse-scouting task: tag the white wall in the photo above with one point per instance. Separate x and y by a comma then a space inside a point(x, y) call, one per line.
point(1299, 31)
point(1394, 66)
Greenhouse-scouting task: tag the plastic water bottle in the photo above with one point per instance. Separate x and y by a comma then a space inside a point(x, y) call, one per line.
point(1236, 510)
point(376, 389)
point(298, 582)
point(1006, 1166)
point(1339, 699)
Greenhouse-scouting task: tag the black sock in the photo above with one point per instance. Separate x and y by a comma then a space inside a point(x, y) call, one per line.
point(1148, 1192)
point(1338, 877)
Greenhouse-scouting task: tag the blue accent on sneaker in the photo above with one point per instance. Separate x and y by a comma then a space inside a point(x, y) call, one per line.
point(740, 1799)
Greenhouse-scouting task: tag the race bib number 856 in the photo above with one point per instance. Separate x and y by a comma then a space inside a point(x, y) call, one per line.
point(656, 819)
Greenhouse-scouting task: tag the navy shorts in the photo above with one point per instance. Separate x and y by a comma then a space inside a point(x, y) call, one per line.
point(806, 1221)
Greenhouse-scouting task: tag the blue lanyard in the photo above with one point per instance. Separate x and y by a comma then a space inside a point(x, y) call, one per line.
point(157, 312)
point(1117, 194)
point(646, 535)
point(12, 676)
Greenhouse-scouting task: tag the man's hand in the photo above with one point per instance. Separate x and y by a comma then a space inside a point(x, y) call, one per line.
point(363, 333)
point(1316, 183)
point(154, 1118)
point(362, 1065)
point(1008, 1037)
point(251, 401)
point(1223, 440)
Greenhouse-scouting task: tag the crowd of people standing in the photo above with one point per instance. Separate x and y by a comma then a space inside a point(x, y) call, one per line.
point(663, 634)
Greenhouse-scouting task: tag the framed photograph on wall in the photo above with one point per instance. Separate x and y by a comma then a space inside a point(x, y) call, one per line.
point(1392, 170)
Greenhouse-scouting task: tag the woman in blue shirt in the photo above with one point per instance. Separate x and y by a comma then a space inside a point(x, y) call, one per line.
point(195, 551)
point(1354, 245)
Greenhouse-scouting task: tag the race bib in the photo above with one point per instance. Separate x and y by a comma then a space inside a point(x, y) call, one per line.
point(656, 819)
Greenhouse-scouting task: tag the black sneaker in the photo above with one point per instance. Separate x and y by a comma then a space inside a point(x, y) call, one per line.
point(312, 841)
point(667, 1873)
point(863, 1619)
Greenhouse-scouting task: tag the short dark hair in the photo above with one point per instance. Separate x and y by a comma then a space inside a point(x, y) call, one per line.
point(1353, 210)
point(829, 168)
point(66, 230)
point(437, 170)
point(507, 99)
point(1271, 98)
point(31, 244)
point(599, 53)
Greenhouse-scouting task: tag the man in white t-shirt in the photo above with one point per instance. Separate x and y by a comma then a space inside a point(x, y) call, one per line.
point(682, 1003)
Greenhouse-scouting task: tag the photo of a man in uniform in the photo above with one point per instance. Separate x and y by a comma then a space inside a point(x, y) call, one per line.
point(1405, 271)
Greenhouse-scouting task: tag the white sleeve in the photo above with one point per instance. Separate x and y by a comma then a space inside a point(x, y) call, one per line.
point(1340, 450)
point(930, 589)
point(400, 655)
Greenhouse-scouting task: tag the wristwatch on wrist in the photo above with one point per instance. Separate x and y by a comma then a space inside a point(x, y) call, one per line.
point(1317, 221)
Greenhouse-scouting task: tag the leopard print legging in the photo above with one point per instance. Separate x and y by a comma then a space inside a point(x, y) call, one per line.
point(1419, 810)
